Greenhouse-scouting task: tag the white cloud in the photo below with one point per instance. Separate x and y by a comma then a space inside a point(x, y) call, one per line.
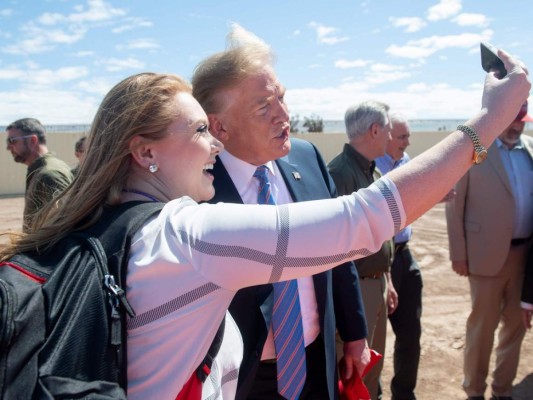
point(425, 47)
point(132, 23)
point(6, 12)
point(385, 67)
point(346, 64)
point(11, 73)
point(419, 87)
point(380, 77)
point(28, 46)
point(42, 78)
point(468, 19)
point(51, 106)
point(115, 64)
point(47, 77)
point(413, 51)
point(99, 86)
point(421, 101)
point(444, 10)
point(50, 29)
point(98, 10)
point(326, 34)
point(39, 39)
point(411, 24)
point(142, 44)
point(51, 18)
point(84, 53)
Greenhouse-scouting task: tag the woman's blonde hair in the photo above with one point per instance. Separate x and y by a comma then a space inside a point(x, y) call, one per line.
point(140, 105)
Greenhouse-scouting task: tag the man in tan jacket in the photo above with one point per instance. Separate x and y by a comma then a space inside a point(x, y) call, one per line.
point(490, 223)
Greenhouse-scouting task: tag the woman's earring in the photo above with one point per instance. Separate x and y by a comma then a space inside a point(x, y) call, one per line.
point(153, 168)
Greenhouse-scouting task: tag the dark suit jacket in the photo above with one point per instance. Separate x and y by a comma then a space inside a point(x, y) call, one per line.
point(252, 307)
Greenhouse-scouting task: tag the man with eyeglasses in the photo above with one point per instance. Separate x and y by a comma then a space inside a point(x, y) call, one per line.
point(46, 175)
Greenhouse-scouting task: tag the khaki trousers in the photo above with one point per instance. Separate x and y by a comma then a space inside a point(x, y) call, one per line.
point(495, 300)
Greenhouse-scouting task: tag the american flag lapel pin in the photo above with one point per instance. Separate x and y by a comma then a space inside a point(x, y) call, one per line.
point(296, 175)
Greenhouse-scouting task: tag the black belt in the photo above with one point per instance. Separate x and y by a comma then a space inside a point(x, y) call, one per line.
point(400, 246)
point(519, 242)
point(377, 275)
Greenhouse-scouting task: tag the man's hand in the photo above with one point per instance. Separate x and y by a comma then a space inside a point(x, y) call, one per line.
point(392, 296)
point(460, 267)
point(526, 317)
point(356, 355)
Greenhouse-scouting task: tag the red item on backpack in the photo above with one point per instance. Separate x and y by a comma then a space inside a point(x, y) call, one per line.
point(192, 390)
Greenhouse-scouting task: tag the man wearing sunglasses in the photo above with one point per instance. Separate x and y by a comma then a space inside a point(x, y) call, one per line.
point(46, 175)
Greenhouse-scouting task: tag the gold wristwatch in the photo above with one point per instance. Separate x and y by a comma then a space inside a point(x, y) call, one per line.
point(480, 153)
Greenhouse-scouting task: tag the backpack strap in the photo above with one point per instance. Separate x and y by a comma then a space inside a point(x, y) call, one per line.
point(204, 369)
point(115, 231)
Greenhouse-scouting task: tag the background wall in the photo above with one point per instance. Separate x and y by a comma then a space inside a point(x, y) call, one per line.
point(13, 175)
point(331, 144)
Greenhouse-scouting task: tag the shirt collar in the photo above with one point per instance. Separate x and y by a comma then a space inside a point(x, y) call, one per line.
point(366, 165)
point(242, 172)
point(519, 145)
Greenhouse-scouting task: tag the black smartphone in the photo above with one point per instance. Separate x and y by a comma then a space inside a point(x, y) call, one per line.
point(490, 60)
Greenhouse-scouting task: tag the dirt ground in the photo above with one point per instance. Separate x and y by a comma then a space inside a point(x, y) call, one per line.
point(445, 303)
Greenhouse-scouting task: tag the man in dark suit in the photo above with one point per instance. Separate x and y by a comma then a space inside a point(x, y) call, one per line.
point(247, 112)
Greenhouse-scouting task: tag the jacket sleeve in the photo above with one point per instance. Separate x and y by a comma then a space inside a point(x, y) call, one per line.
point(347, 298)
point(455, 210)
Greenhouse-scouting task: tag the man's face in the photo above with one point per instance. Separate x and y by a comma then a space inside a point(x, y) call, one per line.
point(400, 140)
point(255, 120)
point(20, 149)
point(511, 136)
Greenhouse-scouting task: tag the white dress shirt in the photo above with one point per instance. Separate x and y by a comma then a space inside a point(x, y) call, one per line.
point(519, 168)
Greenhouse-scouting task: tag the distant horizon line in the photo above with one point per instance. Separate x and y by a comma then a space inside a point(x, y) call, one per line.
point(330, 126)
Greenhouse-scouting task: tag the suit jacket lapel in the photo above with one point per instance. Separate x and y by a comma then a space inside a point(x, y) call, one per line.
point(225, 189)
point(528, 145)
point(496, 163)
point(294, 179)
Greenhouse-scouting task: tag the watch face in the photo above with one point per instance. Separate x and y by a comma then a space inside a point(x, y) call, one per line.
point(480, 156)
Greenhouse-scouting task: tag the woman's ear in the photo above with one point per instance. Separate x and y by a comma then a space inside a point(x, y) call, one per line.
point(141, 152)
point(216, 128)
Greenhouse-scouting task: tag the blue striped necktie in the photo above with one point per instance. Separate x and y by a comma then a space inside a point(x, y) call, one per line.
point(286, 319)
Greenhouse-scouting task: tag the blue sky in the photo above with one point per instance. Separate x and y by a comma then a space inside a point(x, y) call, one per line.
point(58, 58)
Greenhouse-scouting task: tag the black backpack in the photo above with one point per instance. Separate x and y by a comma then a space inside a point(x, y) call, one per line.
point(63, 313)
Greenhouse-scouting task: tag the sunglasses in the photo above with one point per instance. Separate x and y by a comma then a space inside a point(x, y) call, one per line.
point(11, 140)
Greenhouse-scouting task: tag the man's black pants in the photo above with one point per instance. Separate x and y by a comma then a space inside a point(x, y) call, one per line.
point(405, 322)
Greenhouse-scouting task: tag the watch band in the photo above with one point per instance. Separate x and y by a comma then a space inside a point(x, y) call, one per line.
point(480, 153)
